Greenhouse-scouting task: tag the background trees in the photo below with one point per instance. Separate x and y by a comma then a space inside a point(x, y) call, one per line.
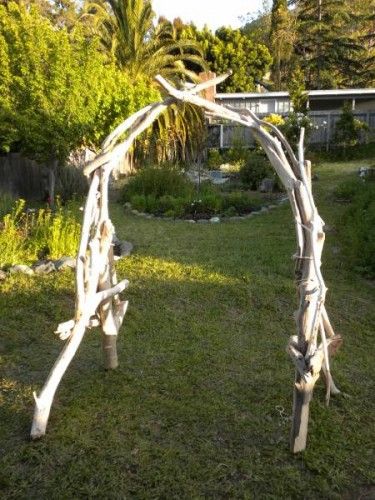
point(58, 90)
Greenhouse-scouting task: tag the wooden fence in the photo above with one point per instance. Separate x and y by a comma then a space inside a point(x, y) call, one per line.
point(221, 135)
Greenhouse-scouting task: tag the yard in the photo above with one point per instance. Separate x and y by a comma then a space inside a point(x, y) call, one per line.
point(201, 403)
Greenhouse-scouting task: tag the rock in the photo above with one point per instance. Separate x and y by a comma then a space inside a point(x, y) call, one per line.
point(267, 185)
point(237, 217)
point(214, 220)
point(127, 205)
point(142, 214)
point(65, 262)
point(135, 212)
point(21, 268)
point(191, 221)
point(3, 275)
point(123, 249)
point(247, 216)
point(271, 207)
point(202, 221)
point(44, 267)
point(150, 216)
point(264, 210)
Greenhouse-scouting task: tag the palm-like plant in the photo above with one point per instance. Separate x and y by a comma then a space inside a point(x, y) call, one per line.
point(127, 31)
point(143, 49)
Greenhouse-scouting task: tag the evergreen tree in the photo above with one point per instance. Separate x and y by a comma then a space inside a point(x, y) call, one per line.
point(328, 51)
point(282, 38)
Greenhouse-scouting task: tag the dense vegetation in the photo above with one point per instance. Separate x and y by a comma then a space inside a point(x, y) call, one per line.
point(167, 192)
point(29, 235)
point(330, 41)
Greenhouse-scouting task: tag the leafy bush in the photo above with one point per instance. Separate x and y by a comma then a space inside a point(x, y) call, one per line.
point(158, 182)
point(58, 89)
point(214, 159)
point(348, 131)
point(240, 201)
point(356, 226)
point(292, 128)
point(256, 168)
point(26, 236)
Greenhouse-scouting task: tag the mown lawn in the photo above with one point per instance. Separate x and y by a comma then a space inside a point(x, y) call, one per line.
point(200, 405)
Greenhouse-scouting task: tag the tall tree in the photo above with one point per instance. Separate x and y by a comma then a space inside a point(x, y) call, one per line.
point(230, 49)
point(282, 39)
point(327, 49)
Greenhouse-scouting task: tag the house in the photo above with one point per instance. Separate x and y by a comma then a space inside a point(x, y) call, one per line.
point(324, 110)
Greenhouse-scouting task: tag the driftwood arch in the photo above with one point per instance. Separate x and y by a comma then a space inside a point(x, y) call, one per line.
point(97, 289)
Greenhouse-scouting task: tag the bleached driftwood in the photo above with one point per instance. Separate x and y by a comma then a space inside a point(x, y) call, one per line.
point(97, 290)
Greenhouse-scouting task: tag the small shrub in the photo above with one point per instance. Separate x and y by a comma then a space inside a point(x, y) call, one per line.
point(12, 248)
point(240, 201)
point(205, 206)
point(139, 202)
point(158, 182)
point(214, 159)
point(24, 236)
point(292, 128)
point(230, 212)
point(52, 234)
point(256, 168)
point(348, 132)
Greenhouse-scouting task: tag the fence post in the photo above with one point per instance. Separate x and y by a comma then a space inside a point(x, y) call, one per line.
point(221, 136)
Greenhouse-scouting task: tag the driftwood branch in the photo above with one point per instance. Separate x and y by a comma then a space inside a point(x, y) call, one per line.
point(97, 290)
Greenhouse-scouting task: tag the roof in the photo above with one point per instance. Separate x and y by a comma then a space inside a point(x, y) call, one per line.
point(324, 94)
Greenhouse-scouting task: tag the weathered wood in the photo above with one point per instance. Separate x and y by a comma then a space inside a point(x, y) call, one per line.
point(97, 289)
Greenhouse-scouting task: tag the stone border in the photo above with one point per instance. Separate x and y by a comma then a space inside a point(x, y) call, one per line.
point(213, 220)
point(47, 266)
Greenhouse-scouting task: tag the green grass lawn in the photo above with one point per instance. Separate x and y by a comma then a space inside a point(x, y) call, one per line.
point(200, 406)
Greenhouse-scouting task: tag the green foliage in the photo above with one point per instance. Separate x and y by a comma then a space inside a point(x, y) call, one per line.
point(58, 90)
point(297, 91)
point(142, 47)
point(53, 234)
point(348, 130)
point(231, 49)
point(27, 236)
point(11, 236)
point(214, 159)
point(158, 182)
point(292, 127)
point(356, 226)
point(256, 168)
point(282, 39)
point(329, 49)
